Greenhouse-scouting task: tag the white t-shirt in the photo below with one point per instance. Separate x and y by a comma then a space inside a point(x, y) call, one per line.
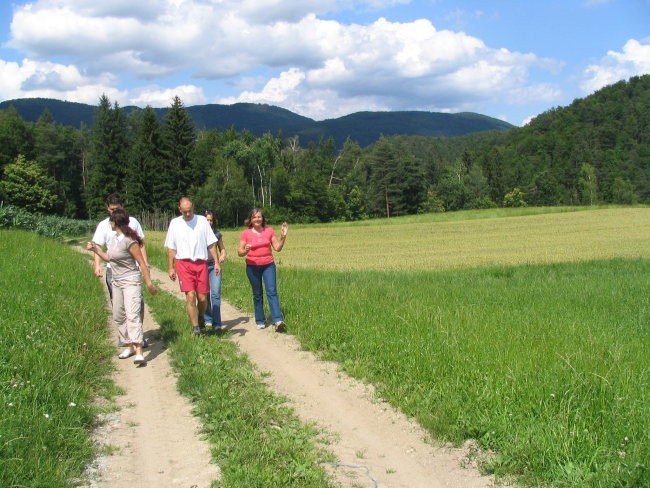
point(190, 239)
point(104, 232)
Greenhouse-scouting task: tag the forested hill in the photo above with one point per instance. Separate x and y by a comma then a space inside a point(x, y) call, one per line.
point(595, 149)
point(362, 127)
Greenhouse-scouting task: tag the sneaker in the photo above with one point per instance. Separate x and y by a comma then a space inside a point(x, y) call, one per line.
point(216, 328)
point(198, 330)
point(280, 327)
point(139, 359)
point(127, 353)
point(145, 343)
point(261, 326)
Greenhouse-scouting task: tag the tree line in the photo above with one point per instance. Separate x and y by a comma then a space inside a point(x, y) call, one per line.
point(597, 150)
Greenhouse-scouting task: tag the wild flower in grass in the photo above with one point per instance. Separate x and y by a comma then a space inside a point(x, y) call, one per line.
point(46, 415)
point(10, 404)
point(72, 404)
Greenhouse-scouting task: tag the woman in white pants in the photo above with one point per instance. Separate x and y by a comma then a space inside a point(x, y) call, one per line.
point(127, 263)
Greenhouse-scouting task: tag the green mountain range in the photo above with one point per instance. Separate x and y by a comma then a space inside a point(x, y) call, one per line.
point(363, 127)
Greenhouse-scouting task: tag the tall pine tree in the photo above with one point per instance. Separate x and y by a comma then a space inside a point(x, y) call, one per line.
point(108, 156)
point(147, 185)
point(178, 140)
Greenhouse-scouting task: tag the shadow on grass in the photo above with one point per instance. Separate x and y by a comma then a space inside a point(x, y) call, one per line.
point(168, 331)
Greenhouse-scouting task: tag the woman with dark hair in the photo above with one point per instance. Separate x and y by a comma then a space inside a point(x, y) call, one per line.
point(256, 244)
point(212, 316)
point(127, 262)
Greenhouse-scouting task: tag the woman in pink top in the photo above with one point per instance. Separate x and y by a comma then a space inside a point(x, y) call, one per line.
point(256, 244)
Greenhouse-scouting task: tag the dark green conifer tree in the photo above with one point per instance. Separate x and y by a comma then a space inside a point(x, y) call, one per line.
point(178, 143)
point(108, 156)
point(147, 187)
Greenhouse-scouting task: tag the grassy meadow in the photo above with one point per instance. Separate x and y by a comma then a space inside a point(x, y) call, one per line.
point(525, 329)
point(55, 360)
point(56, 351)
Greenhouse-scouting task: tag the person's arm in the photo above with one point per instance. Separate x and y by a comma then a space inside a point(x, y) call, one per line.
point(243, 247)
point(143, 250)
point(136, 251)
point(171, 263)
point(97, 238)
point(99, 252)
point(98, 265)
point(278, 244)
point(137, 227)
point(222, 250)
point(212, 249)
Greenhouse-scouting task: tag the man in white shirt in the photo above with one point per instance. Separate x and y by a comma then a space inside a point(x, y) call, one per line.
point(104, 233)
point(189, 240)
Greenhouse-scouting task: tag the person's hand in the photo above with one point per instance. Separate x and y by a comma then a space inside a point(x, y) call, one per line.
point(152, 288)
point(247, 247)
point(172, 274)
point(284, 229)
point(98, 270)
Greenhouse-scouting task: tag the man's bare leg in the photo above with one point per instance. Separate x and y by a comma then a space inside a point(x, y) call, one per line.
point(191, 308)
point(202, 305)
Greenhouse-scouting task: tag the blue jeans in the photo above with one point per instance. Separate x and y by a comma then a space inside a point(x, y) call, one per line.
point(257, 275)
point(213, 311)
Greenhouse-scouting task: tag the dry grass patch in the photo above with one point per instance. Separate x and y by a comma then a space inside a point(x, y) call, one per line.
point(430, 243)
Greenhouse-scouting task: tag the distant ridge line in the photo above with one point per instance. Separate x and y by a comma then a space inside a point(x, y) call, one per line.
point(363, 127)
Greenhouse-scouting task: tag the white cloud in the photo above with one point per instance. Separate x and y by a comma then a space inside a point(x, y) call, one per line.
point(113, 8)
point(276, 91)
point(633, 60)
point(319, 68)
point(157, 97)
point(51, 80)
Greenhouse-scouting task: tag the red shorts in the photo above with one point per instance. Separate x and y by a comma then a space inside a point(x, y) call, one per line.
point(193, 276)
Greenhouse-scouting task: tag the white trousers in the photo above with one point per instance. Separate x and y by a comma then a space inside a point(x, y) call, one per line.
point(127, 298)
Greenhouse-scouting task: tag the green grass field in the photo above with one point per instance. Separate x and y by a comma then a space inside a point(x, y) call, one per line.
point(55, 360)
point(54, 341)
point(525, 330)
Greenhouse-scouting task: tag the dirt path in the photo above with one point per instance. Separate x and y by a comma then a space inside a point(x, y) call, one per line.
point(153, 439)
point(376, 446)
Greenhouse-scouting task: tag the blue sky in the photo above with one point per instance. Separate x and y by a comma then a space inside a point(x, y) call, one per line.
point(509, 59)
